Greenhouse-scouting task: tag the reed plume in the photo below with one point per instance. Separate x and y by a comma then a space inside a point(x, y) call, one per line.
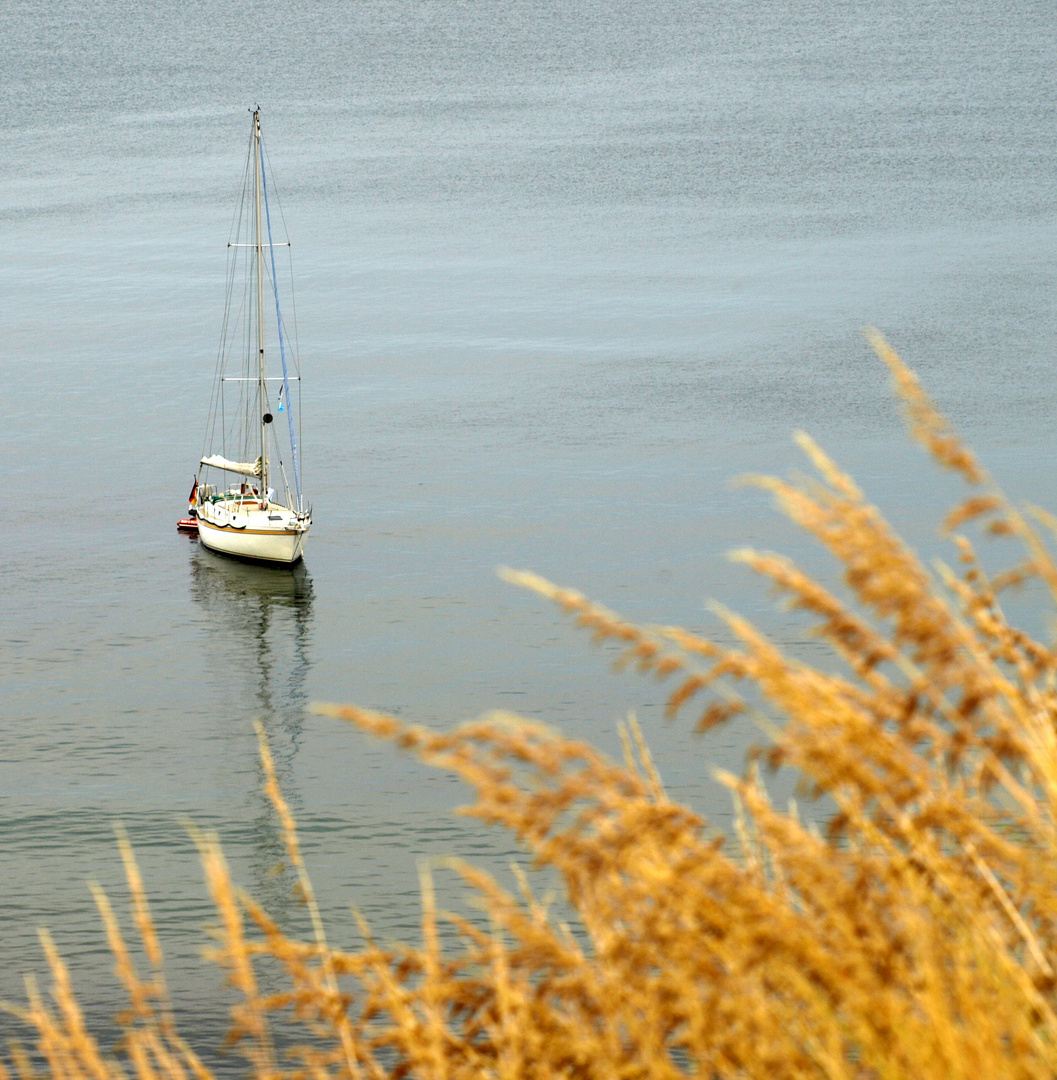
point(915, 935)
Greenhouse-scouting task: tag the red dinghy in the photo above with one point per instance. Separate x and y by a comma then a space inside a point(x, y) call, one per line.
point(189, 524)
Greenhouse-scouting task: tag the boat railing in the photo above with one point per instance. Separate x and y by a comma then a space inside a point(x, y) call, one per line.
point(235, 497)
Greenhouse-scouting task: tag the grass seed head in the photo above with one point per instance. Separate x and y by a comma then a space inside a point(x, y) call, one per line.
point(914, 934)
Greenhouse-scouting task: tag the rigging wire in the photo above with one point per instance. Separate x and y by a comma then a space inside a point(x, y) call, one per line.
point(296, 351)
point(237, 337)
point(217, 410)
point(282, 347)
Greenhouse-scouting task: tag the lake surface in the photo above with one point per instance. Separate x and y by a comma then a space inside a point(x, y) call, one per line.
point(563, 271)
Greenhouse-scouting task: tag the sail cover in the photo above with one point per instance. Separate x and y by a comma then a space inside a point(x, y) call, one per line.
point(246, 468)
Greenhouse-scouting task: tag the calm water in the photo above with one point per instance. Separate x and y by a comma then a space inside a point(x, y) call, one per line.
point(562, 272)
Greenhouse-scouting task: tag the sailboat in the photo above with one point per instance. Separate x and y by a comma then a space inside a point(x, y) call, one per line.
point(256, 515)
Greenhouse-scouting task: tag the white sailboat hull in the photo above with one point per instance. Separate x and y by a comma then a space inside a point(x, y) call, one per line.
point(252, 536)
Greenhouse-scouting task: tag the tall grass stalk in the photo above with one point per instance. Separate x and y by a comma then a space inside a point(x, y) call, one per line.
point(916, 936)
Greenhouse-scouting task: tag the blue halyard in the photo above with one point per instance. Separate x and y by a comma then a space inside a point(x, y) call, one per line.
point(282, 336)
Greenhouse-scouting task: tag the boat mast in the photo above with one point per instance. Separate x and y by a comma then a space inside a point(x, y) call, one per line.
point(259, 238)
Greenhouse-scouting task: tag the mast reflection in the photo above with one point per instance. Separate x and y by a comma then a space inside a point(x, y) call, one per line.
point(258, 628)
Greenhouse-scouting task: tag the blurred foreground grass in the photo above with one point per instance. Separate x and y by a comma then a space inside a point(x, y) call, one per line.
point(915, 937)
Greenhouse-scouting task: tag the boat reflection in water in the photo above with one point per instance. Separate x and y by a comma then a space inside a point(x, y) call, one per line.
point(256, 662)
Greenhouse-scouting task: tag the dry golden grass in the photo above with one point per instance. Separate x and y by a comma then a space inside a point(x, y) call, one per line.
point(917, 937)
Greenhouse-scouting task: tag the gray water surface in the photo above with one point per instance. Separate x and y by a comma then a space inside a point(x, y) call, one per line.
point(562, 272)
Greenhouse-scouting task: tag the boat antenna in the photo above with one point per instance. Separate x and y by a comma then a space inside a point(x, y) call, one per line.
point(282, 335)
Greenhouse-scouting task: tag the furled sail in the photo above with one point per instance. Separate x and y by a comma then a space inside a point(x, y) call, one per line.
point(243, 467)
